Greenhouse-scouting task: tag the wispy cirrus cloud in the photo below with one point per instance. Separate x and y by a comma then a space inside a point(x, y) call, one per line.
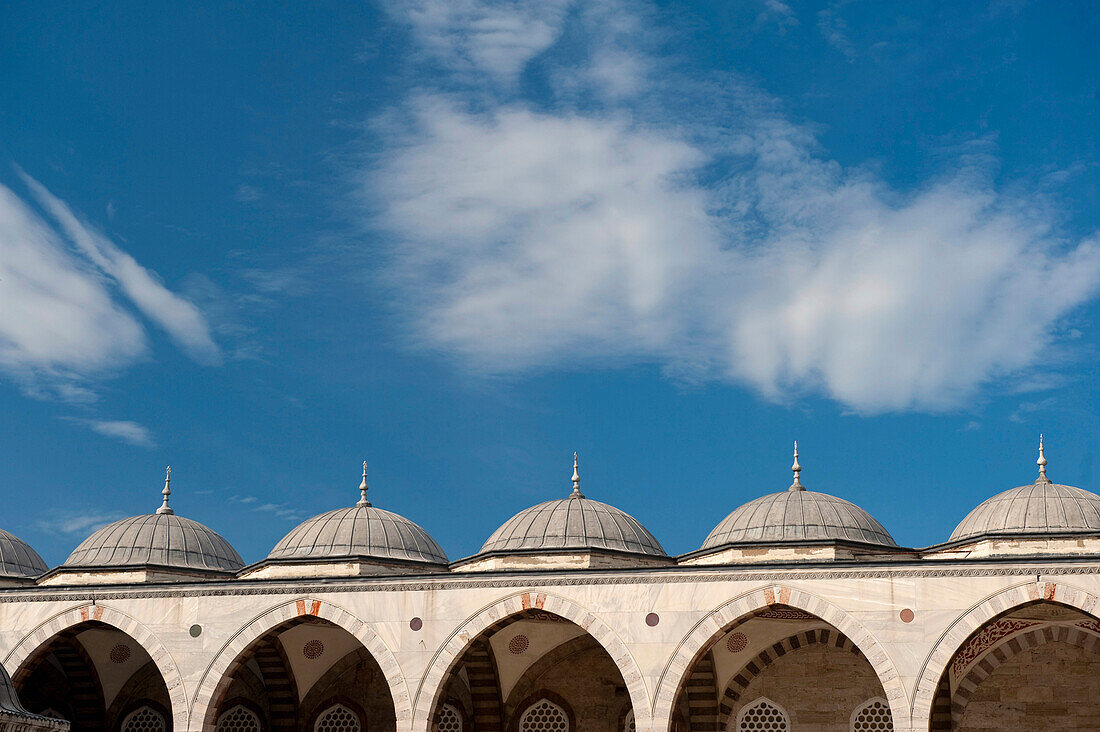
point(177, 316)
point(132, 433)
point(710, 234)
point(62, 321)
point(491, 38)
point(77, 524)
point(279, 510)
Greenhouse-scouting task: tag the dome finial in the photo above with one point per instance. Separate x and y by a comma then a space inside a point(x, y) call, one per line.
point(796, 469)
point(164, 508)
point(1042, 463)
point(576, 480)
point(363, 488)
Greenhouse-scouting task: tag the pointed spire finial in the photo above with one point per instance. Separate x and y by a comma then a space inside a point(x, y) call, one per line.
point(576, 480)
point(363, 488)
point(164, 507)
point(796, 469)
point(1042, 462)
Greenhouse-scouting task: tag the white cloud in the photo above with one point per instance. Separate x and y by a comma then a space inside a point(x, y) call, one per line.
point(496, 38)
point(57, 317)
point(719, 245)
point(547, 240)
point(178, 317)
point(59, 320)
point(529, 234)
point(129, 432)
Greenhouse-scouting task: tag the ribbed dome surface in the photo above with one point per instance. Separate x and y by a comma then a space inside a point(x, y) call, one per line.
point(573, 523)
point(17, 558)
point(164, 540)
point(798, 515)
point(359, 531)
point(1040, 508)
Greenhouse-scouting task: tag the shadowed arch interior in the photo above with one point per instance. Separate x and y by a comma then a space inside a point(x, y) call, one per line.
point(295, 670)
point(1035, 666)
point(93, 674)
point(780, 652)
point(535, 653)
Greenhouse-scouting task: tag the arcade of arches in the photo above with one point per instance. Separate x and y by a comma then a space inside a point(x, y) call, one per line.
point(1034, 666)
point(798, 612)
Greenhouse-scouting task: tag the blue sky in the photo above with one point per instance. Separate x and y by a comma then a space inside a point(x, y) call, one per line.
point(463, 238)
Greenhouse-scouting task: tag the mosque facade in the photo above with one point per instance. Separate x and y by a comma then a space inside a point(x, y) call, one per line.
point(798, 612)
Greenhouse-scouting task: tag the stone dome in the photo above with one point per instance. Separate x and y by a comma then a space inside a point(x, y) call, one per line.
point(160, 539)
point(17, 559)
point(362, 531)
point(798, 515)
point(1043, 507)
point(573, 523)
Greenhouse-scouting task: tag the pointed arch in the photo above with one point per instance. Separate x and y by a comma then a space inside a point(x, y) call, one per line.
point(215, 677)
point(736, 686)
point(952, 639)
point(119, 620)
point(872, 714)
point(775, 713)
point(719, 620)
point(432, 684)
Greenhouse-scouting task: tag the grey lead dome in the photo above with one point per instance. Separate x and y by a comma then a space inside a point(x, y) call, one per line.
point(359, 531)
point(1040, 508)
point(798, 515)
point(18, 559)
point(573, 523)
point(160, 539)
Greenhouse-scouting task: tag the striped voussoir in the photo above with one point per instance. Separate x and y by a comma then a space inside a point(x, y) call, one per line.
point(771, 654)
point(219, 673)
point(734, 611)
point(928, 681)
point(282, 692)
point(702, 696)
point(107, 615)
point(484, 688)
point(1010, 647)
point(941, 708)
point(85, 692)
point(500, 614)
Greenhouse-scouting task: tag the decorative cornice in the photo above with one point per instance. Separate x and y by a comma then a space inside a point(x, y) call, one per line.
point(574, 578)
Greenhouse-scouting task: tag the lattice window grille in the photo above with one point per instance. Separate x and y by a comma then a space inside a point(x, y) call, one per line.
point(628, 724)
point(544, 716)
point(763, 715)
point(338, 718)
point(450, 719)
point(144, 719)
point(239, 718)
point(874, 716)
